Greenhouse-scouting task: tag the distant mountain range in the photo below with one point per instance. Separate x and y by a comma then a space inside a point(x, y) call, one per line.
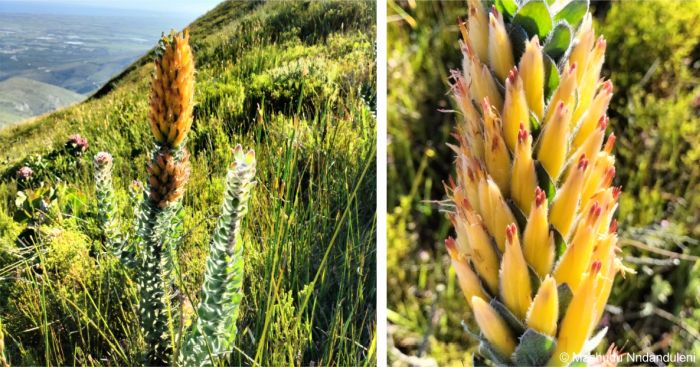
point(48, 61)
point(21, 98)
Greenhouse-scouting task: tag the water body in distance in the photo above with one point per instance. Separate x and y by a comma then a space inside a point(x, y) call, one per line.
point(53, 54)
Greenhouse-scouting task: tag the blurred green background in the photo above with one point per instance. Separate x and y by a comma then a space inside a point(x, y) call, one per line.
point(653, 59)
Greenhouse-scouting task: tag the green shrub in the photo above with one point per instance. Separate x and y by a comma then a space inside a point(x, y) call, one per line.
point(309, 82)
point(650, 57)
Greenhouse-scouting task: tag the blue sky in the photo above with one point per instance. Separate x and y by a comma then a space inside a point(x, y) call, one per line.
point(190, 8)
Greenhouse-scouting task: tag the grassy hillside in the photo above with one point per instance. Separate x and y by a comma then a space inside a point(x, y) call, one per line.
point(292, 80)
point(652, 58)
point(21, 98)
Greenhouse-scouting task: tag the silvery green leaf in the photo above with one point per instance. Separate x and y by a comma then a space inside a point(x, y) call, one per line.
point(534, 349)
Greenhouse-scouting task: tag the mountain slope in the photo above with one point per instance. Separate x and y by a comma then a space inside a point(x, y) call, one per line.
point(292, 80)
point(21, 98)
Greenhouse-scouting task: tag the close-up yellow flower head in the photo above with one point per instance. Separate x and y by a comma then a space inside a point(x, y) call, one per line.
point(172, 90)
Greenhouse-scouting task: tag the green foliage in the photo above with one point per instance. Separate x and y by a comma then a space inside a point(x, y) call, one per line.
point(3, 359)
point(310, 241)
point(58, 279)
point(573, 12)
point(68, 255)
point(654, 106)
point(313, 79)
point(535, 18)
point(657, 124)
point(558, 41)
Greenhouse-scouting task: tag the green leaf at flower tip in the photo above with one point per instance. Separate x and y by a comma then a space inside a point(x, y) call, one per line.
point(558, 41)
point(535, 281)
point(500, 84)
point(559, 243)
point(507, 7)
point(535, 126)
point(488, 351)
point(516, 326)
point(534, 17)
point(551, 76)
point(534, 349)
point(520, 217)
point(573, 12)
point(564, 294)
point(544, 181)
point(518, 37)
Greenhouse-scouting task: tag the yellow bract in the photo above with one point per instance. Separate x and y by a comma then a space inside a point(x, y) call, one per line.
point(523, 179)
point(532, 73)
point(516, 115)
point(514, 277)
point(500, 49)
point(468, 280)
point(538, 244)
point(554, 143)
point(494, 328)
point(577, 324)
point(544, 312)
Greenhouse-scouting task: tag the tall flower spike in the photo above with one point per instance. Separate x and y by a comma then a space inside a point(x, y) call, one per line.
point(514, 276)
point(532, 73)
point(213, 332)
point(500, 49)
point(538, 244)
point(516, 114)
point(172, 90)
point(494, 328)
point(524, 141)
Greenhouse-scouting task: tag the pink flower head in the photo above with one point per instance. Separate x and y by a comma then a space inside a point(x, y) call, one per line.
point(77, 145)
point(103, 158)
point(24, 173)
